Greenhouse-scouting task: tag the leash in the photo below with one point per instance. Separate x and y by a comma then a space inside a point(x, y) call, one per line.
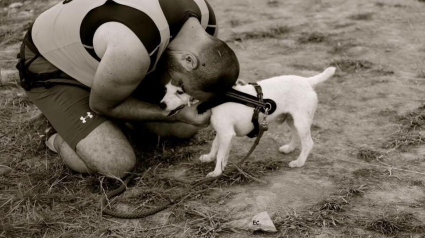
point(180, 197)
point(239, 97)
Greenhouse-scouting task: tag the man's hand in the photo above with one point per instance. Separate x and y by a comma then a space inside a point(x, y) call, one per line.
point(190, 115)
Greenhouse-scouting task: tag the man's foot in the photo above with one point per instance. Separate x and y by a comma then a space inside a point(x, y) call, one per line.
point(50, 143)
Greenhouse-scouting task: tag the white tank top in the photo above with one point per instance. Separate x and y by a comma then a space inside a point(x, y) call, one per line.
point(56, 33)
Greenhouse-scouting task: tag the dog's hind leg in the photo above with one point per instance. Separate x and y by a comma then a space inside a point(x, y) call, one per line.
point(213, 153)
point(302, 124)
point(288, 148)
point(225, 141)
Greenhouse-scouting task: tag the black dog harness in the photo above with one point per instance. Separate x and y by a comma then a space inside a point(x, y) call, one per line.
point(258, 103)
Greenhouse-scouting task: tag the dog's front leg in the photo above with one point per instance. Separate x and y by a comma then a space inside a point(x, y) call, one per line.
point(225, 141)
point(211, 156)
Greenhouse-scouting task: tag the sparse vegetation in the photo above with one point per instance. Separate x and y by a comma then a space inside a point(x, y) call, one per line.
point(362, 16)
point(313, 37)
point(368, 155)
point(394, 223)
point(41, 197)
point(410, 131)
point(341, 47)
point(273, 32)
point(352, 66)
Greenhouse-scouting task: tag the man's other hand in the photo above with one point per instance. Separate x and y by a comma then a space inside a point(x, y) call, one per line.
point(190, 115)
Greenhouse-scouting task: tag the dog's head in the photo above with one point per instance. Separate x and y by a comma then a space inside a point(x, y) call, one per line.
point(175, 99)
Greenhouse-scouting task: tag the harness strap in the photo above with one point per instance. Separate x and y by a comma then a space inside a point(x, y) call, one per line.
point(29, 79)
point(255, 116)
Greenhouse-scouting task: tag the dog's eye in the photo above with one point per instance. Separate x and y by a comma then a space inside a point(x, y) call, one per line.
point(179, 92)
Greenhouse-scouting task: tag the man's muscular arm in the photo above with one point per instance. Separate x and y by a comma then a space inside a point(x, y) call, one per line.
point(124, 64)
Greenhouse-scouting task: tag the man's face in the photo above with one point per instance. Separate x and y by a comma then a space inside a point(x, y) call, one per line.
point(183, 78)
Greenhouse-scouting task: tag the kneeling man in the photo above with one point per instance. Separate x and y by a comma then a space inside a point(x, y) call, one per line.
point(86, 65)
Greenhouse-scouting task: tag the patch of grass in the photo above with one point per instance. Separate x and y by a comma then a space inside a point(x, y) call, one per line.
point(395, 223)
point(206, 222)
point(6, 3)
point(235, 22)
point(273, 32)
point(421, 73)
point(339, 200)
point(294, 225)
point(414, 120)
point(352, 66)
point(328, 212)
point(411, 130)
point(418, 183)
point(273, 3)
point(341, 47)
point(383, 71)
point(404, 139)
point(313, 37)
point(368, 155)
point(362, 16)
point(367, 173)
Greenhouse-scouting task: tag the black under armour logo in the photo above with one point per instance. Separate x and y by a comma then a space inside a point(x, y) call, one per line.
point(67, 1)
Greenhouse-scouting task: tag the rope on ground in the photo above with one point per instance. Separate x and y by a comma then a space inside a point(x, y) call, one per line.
point(134, 215)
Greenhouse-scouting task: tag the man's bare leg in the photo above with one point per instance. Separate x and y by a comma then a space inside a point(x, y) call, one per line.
point(166, 129)
point(105, 150)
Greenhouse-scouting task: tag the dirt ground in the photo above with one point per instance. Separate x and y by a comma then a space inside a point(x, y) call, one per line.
point(364, 178)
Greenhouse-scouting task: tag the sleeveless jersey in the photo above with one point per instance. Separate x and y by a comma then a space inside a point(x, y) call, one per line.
point(64, 33)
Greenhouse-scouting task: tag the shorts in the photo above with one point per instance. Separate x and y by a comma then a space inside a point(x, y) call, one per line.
point(67, 109)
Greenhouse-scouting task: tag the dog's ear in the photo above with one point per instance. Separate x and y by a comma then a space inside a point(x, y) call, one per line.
point(240, 82)
point(192, 101)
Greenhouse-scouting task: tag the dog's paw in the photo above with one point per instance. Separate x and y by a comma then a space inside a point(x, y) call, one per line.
point(214, 174)
point(206, 158)
point(286, 149)
point(295, 164)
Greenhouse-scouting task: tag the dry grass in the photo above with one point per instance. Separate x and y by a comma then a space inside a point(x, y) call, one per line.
point(312, 37)
point(367, 173)
point(341, 47)
point(273, 32)
point(368, 155)
point(395, 223)
point(329, 212)
point(206, 222)
point(351, 65)
point(362, 16)
point(410, 131)
point(41, 197)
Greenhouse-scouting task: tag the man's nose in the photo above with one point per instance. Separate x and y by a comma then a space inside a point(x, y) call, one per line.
point(162, 105)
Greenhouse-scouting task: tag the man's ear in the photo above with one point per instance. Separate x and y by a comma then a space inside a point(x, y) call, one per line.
point(189, 61)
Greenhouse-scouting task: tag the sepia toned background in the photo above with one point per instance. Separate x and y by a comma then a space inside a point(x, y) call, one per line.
point(364, 178)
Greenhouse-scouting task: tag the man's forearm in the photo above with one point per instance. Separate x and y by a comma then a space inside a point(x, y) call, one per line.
point(136, 110)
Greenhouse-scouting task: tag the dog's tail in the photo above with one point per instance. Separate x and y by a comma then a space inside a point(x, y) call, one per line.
point(329, 72)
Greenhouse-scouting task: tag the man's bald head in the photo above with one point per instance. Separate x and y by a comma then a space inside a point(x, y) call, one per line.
point(202, 64)
point(218, 67)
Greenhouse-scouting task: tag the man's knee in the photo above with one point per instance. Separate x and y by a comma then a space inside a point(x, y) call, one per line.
point(107, 151)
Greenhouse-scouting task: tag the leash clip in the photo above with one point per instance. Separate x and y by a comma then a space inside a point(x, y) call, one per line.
point(264, 125)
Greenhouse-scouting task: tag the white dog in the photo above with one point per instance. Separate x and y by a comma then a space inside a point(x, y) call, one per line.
point(294, 95)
